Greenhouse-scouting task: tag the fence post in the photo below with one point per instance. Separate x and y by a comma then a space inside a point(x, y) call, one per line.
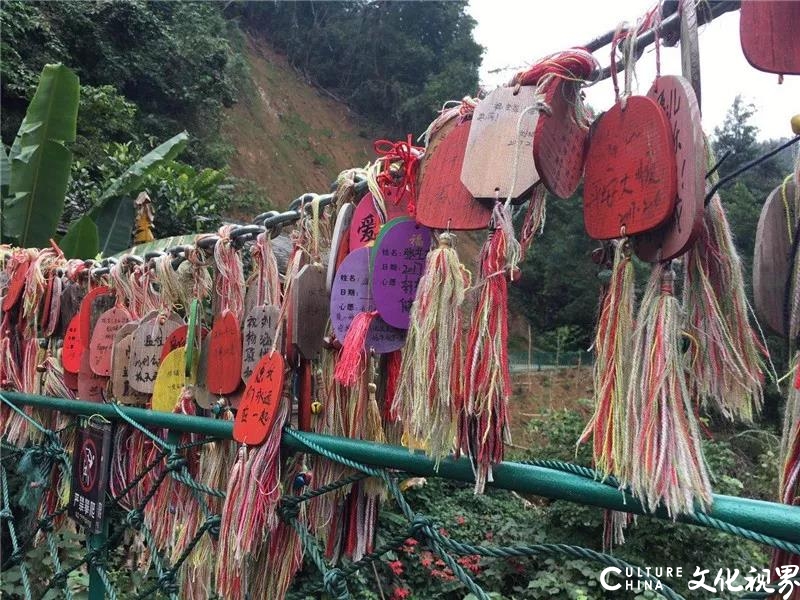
point(97, 589)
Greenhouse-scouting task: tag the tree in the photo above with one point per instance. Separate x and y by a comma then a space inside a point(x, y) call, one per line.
point(394, 62)
point(737, 136)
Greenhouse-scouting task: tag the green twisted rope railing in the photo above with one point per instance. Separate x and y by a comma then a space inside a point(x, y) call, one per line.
point(763, 522)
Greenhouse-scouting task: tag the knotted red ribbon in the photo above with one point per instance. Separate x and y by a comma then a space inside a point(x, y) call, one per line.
point(405, 153)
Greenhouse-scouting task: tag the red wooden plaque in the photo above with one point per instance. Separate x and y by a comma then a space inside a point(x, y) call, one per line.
point(676, 97)
point(772, 261)
point(224, 355)
point(73, 347)
point(177, 339)
point(261, 401)
point(395, 201)
point(444, 202)
point(559, 144)
point(769, 33)
point(630, 183)
point(365, 224)
point(86, 312)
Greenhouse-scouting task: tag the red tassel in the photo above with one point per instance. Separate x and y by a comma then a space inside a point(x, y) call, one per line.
point(352, 359)
point(483, 429)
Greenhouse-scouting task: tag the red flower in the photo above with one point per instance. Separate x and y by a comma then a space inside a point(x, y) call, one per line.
point(471, 562)
point(409, 546)
point(460, 519)
point(396, 566)
point(400, 593)
point(489, 535)
point(426, 560)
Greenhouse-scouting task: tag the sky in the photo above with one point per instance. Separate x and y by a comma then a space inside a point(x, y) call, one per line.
point(516, 33)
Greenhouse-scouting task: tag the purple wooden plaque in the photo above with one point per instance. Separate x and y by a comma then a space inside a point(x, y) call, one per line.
point(350, 295)
point(398, 264)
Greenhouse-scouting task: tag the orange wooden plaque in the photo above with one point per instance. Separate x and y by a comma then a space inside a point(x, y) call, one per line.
point(73, 347)
point(85, 312)
point(676, 97)
point(224, 355)
point(630, 183)
point(261, 401)
point(769, 34)
point(559, 144)
point(444, 202)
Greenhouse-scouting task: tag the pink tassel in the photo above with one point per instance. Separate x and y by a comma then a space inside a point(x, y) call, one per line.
point(665, 464)
point(726, 357)
point(352, 359)
point(249, 513)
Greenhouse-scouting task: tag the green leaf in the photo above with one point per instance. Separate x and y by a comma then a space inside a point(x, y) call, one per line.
point(114, 222)
point(39, 160)
point(5, 171)
point(162, 244)
point(133, 176)
point(82, 240)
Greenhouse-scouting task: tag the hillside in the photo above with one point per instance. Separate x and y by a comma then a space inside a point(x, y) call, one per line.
point(288, 137)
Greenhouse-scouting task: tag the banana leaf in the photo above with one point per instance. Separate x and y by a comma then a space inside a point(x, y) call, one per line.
point(132, 178)
point(39, 160)
point(81, 239)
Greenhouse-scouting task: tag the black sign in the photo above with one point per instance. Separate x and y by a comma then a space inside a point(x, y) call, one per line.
point(90, 467)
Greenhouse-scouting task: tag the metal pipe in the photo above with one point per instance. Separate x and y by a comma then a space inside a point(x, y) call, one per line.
point(670, 25)
point(769, 518)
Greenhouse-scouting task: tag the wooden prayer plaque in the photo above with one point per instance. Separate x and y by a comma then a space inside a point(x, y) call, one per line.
point(310, 304)
point(103, 335)
point(73, 347)
point(676, 97)
point(146, 345)
point(772, 260)
point(493, 149)
point(351, 295)
point(339, 241)
point(444, 202)
point(395, 200)
point(91, 387)
point(170, 380)
point(397, 266)
point(71, 297)
point(120, 386)
point(258, 337)
point(202, 396)
point(630, 183)
point(365, 224)
point(261, 401)
point(559, 143)
point(224, 355)
point(85, 313)
point(769, 34)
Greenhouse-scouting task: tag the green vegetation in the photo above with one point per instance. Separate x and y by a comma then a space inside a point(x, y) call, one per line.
point(393, 62)
point(743, 464)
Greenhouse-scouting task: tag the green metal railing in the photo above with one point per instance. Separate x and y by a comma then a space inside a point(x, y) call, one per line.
point(767, 523)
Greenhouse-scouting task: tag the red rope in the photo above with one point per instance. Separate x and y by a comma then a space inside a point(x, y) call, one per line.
point(407, 155)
